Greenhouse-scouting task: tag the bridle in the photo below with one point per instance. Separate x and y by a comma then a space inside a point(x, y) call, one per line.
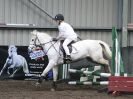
point(43, 44)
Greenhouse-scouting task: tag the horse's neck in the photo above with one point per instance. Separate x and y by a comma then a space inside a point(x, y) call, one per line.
point(13, 54)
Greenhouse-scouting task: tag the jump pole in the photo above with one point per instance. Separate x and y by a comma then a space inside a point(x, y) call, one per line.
point(88, 83)
point(90, 73)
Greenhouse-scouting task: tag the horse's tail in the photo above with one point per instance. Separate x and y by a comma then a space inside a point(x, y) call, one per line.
point(106, 49)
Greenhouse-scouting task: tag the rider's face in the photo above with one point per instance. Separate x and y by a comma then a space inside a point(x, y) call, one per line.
point(58, 22)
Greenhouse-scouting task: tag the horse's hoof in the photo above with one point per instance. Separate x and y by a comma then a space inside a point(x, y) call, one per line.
point(11, 76)
point(40, 80)
point(52, 89)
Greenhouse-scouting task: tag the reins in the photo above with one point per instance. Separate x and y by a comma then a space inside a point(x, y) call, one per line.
point(41, 44)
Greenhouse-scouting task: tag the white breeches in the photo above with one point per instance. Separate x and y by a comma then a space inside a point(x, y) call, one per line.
point(65, 43)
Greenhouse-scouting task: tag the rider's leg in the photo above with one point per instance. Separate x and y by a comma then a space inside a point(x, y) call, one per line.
point(66, 42)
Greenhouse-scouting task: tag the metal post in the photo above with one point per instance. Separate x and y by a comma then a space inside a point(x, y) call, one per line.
point(124, 23)
point(41, 9)
point(125, 33)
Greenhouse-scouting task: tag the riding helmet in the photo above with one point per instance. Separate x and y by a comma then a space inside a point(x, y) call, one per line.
point(59, 17)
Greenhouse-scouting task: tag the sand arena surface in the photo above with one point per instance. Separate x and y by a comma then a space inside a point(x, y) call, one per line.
point(11, 89)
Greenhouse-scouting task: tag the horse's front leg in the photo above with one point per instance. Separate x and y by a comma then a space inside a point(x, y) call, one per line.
point(50, 65)
point(55, 77)
point(8, 70)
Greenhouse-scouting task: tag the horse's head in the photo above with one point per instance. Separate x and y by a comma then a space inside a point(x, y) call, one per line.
point(38, 39)
point(12, 49)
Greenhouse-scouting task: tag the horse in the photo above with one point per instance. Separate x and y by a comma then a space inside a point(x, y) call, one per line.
point(89, 49)
point(15, 62)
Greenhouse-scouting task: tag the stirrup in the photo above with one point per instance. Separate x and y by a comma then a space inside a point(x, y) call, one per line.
point(68, 57)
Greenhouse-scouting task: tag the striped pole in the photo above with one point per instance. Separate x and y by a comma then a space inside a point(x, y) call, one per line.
point(65, 68)
point(117, 62)
point(88, 83)
point(96, 73)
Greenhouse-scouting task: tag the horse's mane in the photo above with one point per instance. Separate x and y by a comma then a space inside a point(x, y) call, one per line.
point(44, 34)
point(13, 47)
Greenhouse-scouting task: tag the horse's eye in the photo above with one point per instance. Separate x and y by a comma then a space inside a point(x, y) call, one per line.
point(32, 39)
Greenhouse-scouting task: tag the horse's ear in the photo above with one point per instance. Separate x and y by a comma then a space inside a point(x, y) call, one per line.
point(34, 32)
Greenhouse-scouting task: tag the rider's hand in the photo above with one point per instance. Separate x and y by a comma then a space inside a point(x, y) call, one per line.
point(55, 39)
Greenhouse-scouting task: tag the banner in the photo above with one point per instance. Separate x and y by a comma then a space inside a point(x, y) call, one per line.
point(15, 63)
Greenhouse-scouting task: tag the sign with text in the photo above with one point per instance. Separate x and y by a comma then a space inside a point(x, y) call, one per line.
point(24, 66)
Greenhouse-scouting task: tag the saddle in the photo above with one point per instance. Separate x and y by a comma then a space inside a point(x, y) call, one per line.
point(69, 47)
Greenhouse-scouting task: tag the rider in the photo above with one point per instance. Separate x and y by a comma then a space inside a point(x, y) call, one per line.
point(66, 33)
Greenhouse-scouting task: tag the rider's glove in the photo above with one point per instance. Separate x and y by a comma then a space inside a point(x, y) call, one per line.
point(55, 39)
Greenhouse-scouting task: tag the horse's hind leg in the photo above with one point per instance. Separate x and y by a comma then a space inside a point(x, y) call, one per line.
point(105, 63)
point(14, 71)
